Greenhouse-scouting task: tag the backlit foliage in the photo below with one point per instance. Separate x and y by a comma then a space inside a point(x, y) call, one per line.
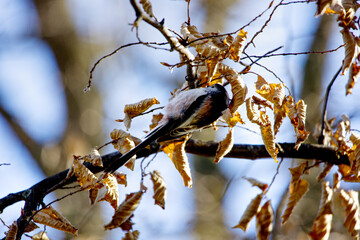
point(217, 58)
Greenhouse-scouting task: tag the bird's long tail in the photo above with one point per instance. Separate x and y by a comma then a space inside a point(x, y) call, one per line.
point(156, 133)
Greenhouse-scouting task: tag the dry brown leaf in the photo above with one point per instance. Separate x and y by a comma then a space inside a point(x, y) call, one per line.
point(135, 109)
point(83, 175)
point(353, 76)
point(112, 193)
point(279, 115)
point(52, 218)
point(40, 236)
point(238, 89)
point(336, 181)
point(176, 152)
point(251, 210)
point(12, 232)
point(269, 140)
point(155, 120)
point(264, 221)
point(232, 119)
point(237, 46)
point(31, 227)
point(262, 102)
point(123, 146)
point(159, 188)
point(324, 172)
point(147, 7)
point(251, 114)
point(126, 209)
point(294, 197)
point(273, 92)
point(354, 156)
point(350, 201)
point(94, 158)
point(131, 235)
point(351, 49)
point(256, 183)
point(301, 133)
point(120, 178)
point(296, 174)
point(225, 146)
point(322, 223)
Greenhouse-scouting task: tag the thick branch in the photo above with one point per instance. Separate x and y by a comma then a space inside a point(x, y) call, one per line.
point(245, 151)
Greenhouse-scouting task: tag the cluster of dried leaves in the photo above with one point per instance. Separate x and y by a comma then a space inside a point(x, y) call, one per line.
point(211, 50)
point(345, 10)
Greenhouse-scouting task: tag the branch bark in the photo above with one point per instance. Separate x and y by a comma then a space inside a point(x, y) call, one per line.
point(34, 195)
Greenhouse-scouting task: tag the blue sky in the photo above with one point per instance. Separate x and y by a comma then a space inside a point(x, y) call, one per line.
point(31, 90)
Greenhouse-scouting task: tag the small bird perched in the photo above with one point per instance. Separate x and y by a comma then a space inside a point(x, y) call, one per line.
point(187, 112)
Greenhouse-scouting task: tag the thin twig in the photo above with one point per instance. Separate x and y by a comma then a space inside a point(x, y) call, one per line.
point(323, 120)
point(294, 54)
point(87, 88)
point(274, 177)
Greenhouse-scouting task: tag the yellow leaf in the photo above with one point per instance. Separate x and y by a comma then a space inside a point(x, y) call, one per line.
point(159, 189)
point(264, 221)
point(250, 212)
point(94, 158)
point(251, 114)
point(176, 152)
point(232, 119)
point(52, 218)
point(126, 209)
point(225, 146)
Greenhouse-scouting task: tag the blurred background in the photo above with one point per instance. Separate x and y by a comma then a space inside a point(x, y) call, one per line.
point(47, 49)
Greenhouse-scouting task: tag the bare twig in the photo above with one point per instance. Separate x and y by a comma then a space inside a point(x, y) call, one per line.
point(323, 120)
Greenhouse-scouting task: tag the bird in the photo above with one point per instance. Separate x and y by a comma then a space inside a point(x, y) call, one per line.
point(188, 111)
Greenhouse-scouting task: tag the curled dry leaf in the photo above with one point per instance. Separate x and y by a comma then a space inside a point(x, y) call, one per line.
point(269, 140)
point(83, 175)
point(31, 227)
point(336, 181)
point(257, 183)
point(155, 120)
point(238, 89)
point(11, 233)
point(135, 109)
point(225, 146)
point(351, 49)
point(264, 221)
point(353, 76)
point(250, 212)
point(237, 46)
point(112, 193)
point(126, 209)
point(52, 218)
point(322, 223)
point(232, 119)
point(40, 236)
point(350, 201)
point(94, 158)
point(279, 115)
point(176, 152)
point(123, 146)
point(120, 178)
point(251, 114)
point(131, 235)
point(147, 7)
point(325, 171)
point(159, 188)
point(294, 197)
point(354, 156)
point(273, 92)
